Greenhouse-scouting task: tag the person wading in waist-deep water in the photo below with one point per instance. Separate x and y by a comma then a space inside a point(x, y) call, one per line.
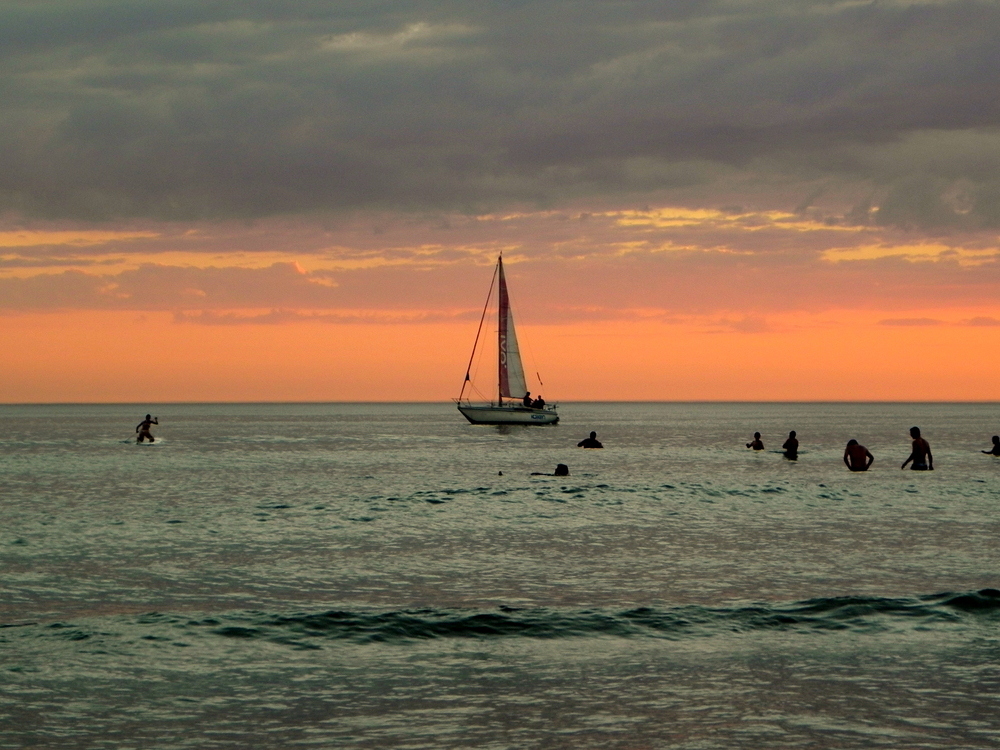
point(591, 442)
point(995, 450)
point(791, 447)
point(757, 444)
point(857, 457)
point(143, 429)
point(921, 453)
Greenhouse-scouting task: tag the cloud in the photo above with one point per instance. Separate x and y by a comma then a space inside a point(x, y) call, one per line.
point(184, 109)
point(341, 317)
point(910, 322)
point(982, 321)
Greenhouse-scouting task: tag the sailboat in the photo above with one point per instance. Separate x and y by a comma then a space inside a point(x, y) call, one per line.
point(509, 407)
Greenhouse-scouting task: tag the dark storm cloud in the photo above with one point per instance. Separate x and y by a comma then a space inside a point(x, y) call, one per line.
point(195, 108)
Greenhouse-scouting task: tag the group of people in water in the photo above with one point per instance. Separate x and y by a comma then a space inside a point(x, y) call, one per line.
point(858, 458)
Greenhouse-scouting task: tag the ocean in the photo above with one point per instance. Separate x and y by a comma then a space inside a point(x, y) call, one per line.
point(389, 576)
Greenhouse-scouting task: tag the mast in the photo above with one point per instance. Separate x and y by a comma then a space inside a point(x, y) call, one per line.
point(502, 310)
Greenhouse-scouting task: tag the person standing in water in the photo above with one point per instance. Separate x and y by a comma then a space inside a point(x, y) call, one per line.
point(995, 450)
point(591, 442)
point(757, 444)
point(143, 429)
point(857, 457)
point(921, 453)
point(791, 447)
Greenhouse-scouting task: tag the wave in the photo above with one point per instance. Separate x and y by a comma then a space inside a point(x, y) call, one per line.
point(870, 615)
point(860, 614)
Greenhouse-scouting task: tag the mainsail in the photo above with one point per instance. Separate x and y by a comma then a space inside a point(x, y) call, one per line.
point(512, 383)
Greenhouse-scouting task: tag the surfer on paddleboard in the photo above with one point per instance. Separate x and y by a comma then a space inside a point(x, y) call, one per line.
point(143, 429)
point(921, 453)
point(857, 457)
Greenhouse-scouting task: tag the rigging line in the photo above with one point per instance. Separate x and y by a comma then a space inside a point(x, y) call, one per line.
point(479, 331)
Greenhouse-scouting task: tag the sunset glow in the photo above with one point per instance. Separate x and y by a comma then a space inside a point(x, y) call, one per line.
point(278, 209)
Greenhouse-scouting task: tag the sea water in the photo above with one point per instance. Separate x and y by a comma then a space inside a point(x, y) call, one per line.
point(389, 576)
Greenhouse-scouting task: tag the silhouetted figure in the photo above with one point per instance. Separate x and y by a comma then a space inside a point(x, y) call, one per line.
point(538, 403)
point(791, 447)
point(562, 470)
point(921, 453)
point(143, 429)
point(591, 442)
point(995, 450)
point(757, 444)
point(857, 457)
point(527, 399)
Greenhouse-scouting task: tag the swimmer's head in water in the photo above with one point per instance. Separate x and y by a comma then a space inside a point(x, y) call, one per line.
point(996, 439)
point(593, 434)
point(756, 434)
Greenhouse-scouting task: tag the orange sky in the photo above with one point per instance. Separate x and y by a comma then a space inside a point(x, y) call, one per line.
point(664, 303)
point(273, 200)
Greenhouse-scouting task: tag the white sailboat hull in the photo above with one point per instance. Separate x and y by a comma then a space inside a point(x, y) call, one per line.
point(493, 414)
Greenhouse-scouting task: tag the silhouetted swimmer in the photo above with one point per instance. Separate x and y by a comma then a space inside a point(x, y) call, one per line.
point(921, 453)
point(757, 444)
point(143, 429)
point(591, 442)
point(527, 399)
point(562, 470)
point(857, 457)
point(791, 447)
point(995, 450)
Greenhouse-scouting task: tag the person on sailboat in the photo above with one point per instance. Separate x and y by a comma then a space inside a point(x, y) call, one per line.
point(857, 457)
point(591, 442)
point(921, 453)
point(527, 399)
point(757, 444)
point(538, 403)
point(143, 429)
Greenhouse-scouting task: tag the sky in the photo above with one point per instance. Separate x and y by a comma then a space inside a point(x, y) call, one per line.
point(301, 200)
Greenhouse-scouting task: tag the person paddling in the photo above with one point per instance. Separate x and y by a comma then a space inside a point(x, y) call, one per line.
point(143, 429)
